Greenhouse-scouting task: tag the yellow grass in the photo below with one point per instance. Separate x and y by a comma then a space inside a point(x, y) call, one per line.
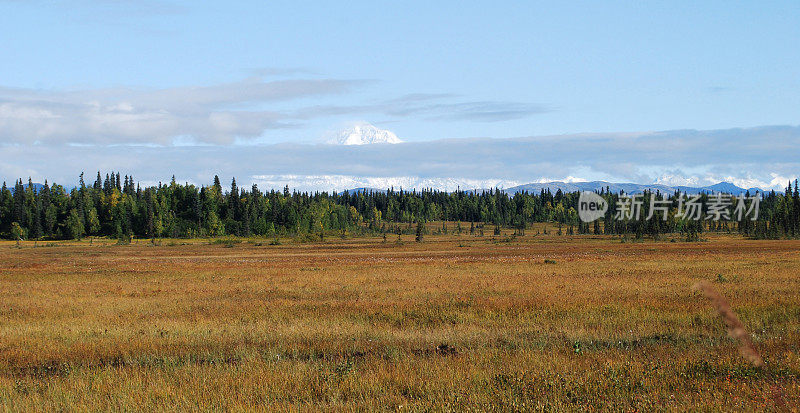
point(454, 323)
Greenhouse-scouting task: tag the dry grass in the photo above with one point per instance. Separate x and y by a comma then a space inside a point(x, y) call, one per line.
point(735, 327)
point(457, 322)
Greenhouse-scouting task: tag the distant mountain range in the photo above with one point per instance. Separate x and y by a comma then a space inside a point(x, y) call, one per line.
point(36, 186)
point(553, 187)
point(628, 188)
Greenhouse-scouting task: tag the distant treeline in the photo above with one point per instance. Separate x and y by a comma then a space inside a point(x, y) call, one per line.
point(118, 207)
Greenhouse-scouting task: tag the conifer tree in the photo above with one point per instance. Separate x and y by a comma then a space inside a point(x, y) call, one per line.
point(73, 226)
point(217, 186)
point(18, 213)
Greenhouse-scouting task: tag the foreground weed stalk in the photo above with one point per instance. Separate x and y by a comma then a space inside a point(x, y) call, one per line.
point(735, 327)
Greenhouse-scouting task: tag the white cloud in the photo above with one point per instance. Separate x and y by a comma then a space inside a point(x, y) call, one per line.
point(765, 157)
point(676, 179)
point(438, 107)
point(768, 181)
point(344, 182)
point(567, 179)
point(210, 114)
point(216, 114)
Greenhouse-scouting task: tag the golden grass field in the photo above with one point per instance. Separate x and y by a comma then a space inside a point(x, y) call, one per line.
point(454, 323)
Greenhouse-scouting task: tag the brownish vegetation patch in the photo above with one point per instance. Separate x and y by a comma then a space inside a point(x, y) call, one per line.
point(456, 322)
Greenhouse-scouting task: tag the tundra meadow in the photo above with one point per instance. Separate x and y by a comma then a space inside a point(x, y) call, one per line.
point(457, 322)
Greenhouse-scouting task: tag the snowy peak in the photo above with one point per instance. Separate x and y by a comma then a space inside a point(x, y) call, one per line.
point(365, 134)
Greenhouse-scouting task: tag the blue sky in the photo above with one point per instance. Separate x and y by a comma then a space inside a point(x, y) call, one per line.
point(231, 74)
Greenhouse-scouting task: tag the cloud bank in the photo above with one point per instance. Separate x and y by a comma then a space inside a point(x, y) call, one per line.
point(764, 156)
point(217, 114)
point(209, 114)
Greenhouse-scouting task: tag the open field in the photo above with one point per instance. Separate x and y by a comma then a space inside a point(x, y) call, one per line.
point(454, 323)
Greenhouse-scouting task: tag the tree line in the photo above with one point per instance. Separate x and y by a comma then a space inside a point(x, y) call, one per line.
point(116, 206)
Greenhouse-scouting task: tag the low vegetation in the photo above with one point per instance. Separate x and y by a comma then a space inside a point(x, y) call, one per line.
point(457, 322)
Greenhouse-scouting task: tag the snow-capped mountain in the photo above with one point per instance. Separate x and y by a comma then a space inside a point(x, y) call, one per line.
point(365, 134)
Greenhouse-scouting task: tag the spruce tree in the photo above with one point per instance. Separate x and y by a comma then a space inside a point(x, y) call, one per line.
point(217, 184)
point(18, 213)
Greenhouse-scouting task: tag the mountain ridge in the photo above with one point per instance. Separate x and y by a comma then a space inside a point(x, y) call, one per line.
point(592, 186)
point(554, 186)
point(630, 188)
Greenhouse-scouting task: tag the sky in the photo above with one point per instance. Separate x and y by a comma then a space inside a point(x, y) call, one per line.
point(503, 92)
